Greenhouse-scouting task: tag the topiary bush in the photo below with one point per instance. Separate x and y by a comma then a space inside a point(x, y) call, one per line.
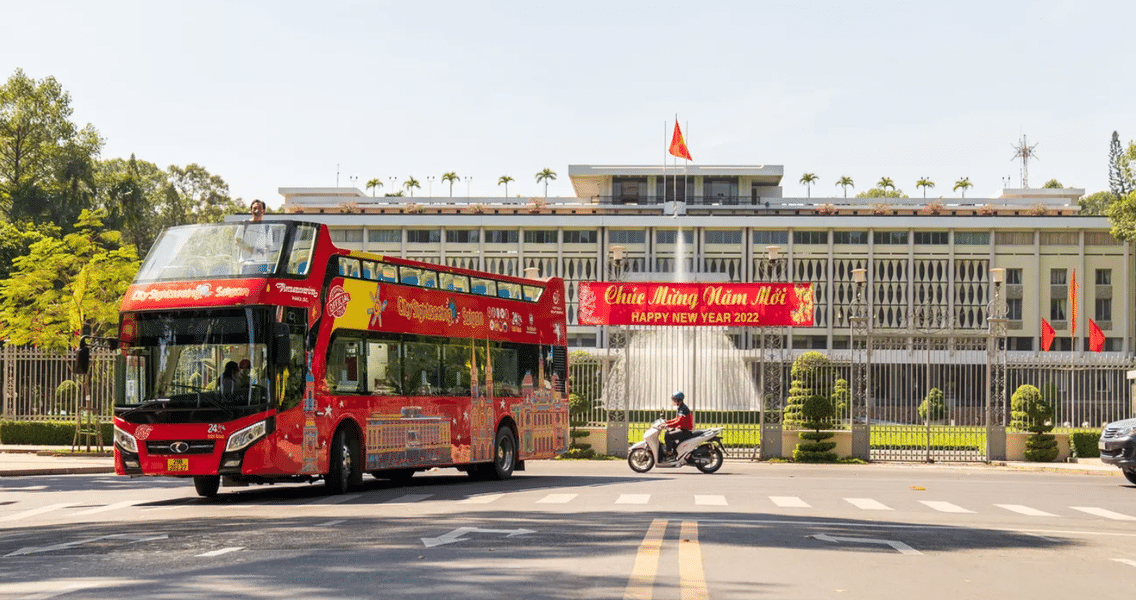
point(816, 410)
point(1030, 413)
point(933, 408)
point(841, 401)
point(809, 370)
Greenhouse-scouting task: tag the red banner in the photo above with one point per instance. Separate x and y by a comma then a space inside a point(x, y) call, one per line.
point(696, 304)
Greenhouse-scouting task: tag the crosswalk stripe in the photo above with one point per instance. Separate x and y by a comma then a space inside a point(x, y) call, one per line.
point(108, 507)
point(483, 499)
point(222, 551)
point(633, 499)
point(1025, 510)
point(409, 498)
point(1100, 512)
point(946, 507)
point(1127, 561)
point(789, 502)
point(338, 499)
point(36, 511)
point(867, 504)
point(710, 500)
point(557, 499)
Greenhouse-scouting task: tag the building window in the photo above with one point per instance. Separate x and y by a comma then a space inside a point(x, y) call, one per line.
point(815, 238)
point(1013, 276)
point(1057, 277)
point(1103, 309)
point(721, 236)
point(501, 236)
point(932, 238)
point(1014, 309)
point(463, 236)
point(1057, 309)
point(674, 188)
point(770, 238)
point(347, 236)
point(668, 236)
point(423, 236)
point(629, 190)
point(1059, 238)
point(576, 236)
point(890, 237)
point(1104, 276)
point(972, 238)
point(540, 236)
point(719, 190)
point(384, 236)
point(626, 236)
point(855, 238)
point(1014, 238)
point(1019, 343)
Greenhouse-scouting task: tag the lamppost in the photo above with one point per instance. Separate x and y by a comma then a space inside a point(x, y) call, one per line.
point(354, 179)
point(392, 187)
point(617, 412)
point(996, 370)
point(467, 182)
point(430, 185)
point(861, 332)
point(772, 344)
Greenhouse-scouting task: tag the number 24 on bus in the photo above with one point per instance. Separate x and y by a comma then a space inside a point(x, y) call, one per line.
point(260, 352)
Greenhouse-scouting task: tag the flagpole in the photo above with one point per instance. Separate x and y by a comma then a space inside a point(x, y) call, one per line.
point(686, 162)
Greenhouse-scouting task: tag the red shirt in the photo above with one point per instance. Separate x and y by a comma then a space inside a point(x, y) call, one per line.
point(684, 420)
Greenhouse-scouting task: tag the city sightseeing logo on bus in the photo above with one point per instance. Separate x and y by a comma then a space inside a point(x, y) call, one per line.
point(422, 312)
point(337, 301)
point(197, 292)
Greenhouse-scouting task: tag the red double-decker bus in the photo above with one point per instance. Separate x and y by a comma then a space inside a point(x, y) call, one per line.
point(260, 352)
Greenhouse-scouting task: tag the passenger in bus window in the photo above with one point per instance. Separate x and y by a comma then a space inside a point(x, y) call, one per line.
point(228, 381)
point(243, 380)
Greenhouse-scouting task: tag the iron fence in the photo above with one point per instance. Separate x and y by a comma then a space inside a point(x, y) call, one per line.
point(42, 386)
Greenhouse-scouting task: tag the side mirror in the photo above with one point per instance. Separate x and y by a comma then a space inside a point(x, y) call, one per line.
point(82, 358)
point(281, 345)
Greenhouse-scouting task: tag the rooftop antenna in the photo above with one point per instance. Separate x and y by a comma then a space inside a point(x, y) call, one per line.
point(1025, 152)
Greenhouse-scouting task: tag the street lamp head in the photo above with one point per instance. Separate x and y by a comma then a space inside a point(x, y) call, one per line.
point(859, 276)
point(617, 253)
point(997, 275)
point(774, 252)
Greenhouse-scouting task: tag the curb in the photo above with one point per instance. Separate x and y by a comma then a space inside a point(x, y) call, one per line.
point(57, 471)
point(1046, 469)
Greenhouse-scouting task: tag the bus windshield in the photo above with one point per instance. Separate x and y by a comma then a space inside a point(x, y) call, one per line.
point(211, 251)
point(206, 359)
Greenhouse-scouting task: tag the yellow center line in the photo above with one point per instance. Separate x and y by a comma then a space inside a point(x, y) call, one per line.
point(642, 582)
point(692, 579)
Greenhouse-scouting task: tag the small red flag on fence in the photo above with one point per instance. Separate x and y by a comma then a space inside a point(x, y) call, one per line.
point(1047, 335)
point(1096, 337)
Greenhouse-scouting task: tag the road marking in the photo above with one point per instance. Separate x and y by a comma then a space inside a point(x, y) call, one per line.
point(36, 511)
point(221, 551)
point(1100, 512)
point(50, 588)
point(483, 499)
point(557, 499)
point(337, 499)
point(691, 577)
point(897, 545)
point(107, 508)
point(1127, 561)
point(456, 535)
point(642, 580)
point(409, 498)
point(330, 523)
point(789, 502)
point(633, 499)
point(710, 500)
point(1025, 510)
point(946, 507)
point(130, 538)
point(867, 504)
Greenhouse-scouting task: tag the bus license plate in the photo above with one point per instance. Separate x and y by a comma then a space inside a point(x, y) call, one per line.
point(177, 464)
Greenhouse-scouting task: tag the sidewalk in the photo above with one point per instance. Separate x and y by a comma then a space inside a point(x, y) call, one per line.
point(38, 460)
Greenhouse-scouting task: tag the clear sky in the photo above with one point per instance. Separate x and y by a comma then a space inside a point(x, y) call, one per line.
point(287, 94)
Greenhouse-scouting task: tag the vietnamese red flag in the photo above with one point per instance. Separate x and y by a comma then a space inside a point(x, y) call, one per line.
point(1047, 335)
point(678, 145)
point(1096, 337)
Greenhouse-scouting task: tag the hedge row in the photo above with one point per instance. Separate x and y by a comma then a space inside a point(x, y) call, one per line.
point(1084, 443)
point(46, 433)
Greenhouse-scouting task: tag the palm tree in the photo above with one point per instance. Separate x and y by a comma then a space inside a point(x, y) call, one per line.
point(844, 182)
point(372, 184)
point(963, 184)
point(808, 179)
point(925, 183)
point(886, 183)
point(450, 177)
point(410, 184)
point(504, 180)
point(545, 176)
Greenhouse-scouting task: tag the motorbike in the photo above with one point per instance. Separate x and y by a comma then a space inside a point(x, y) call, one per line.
point(703, 450)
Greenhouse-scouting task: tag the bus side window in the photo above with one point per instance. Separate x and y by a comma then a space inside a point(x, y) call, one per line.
point(456, 283)
point(343, 366)
point(429, 279)
point(384, 373)
point(389, 273)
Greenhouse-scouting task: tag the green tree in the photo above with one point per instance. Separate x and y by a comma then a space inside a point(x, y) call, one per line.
point(881, 193)
point(16, 240)
point(1053, 184)
point(504, 180)
point(925, 183)
point(963, 184)
point(1031, 413)
point(1120, 180)
point(131, 193)
point(841, 399)
point(546, 175)
point(410, 184)
point(809, 179)
point(885, 184)
point(1095, 204)
point(933, 408)
point(193, 195)
point(66, 287)
point(845, 182)
point(374, 184)
point(451, 177)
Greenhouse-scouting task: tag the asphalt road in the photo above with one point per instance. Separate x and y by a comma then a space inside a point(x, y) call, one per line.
point(568, 529)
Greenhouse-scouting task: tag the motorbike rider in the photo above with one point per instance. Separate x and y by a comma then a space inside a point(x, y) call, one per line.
point(681, 427)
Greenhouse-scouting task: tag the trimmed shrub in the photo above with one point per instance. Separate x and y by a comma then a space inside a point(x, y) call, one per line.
point(932, 408)
point(46, 433)
point(816, 410)
point(810, 369)
point(1083, 444)
point(841, 399)
point(1031, 413)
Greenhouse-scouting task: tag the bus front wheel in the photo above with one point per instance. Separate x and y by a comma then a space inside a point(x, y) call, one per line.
point(344, 472)
point(207, 485)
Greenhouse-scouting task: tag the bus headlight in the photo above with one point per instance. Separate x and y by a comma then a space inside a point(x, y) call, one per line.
point(125, 441)
point(245, 437)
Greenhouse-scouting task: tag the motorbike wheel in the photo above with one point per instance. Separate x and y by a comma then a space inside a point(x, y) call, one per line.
point(715, 462)
point(640, 460)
